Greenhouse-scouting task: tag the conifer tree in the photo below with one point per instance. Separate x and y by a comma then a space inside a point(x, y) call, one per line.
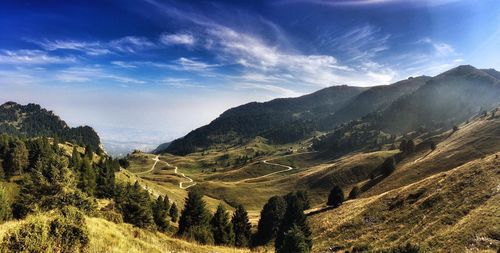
point(174, 212)
point(160, 212)
point(17, 158)
point(295, 241)
point(241, 227)
point(294, 215)
point(106, 179)
point(5, 210)
point(336, 196)
point(270, 219)
point(75, 161)
point(194, 215)
point(87, 177)
point(221, 227)
point(135, 205)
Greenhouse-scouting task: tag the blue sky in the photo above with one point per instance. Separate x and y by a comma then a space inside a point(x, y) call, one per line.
point(151, 70)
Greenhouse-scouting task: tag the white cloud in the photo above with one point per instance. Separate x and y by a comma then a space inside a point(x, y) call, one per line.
point(32, 57)
point(123, 64)
point(92, 74)
point(177, 39)
point(440, 48)
point(194, 65)
point(131, 44)
point(90, 48)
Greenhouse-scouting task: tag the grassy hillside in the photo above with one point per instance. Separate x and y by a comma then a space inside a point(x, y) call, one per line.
point(106, 236)
point(453, 211)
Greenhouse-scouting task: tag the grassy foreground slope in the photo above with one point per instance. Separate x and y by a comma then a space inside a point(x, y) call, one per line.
point(106, 236)
point(453, 211)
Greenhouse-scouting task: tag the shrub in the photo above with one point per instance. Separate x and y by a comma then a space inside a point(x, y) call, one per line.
point(294, 241)
point(200, 234)
point(111, 215)
point(5, 210)
point(65, 233)
point(354, 193)
point(336, 196)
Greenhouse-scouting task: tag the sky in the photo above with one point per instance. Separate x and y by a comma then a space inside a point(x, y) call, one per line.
point(143, 72)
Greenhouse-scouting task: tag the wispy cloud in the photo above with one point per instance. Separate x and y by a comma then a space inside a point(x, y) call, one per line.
point(440, 48)
point(32, 57)
point(90, 48)
point(177, 39)
point(93, 74)
point(131, 44)
point(354, 3)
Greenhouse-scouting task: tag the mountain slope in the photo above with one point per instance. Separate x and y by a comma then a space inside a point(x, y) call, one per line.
point(443, 101)
point(453, 211)
point(377, 98)
point(280, 120)
point(33, 121)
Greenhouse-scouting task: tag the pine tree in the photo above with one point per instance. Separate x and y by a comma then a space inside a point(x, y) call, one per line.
point(194, 215)
point(402, 146)
point(336, 196)
point(294, 241)
point(270, 219)
point(105, 180)
point(87, 177)
point(221, 227)
point(50, 185)
point(135, 205)
point(174, 212)
point(241, 227)
point(294, 215)
point(410, 146)
point(354, 193)
point(75, 161)
point(17, 159)
point(160, 212)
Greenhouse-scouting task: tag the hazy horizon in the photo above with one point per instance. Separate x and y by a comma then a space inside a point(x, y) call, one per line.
point(146, 72)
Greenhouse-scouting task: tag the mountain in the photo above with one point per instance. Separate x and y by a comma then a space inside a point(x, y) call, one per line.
point(443, 101)
point(404, 106)
point(32, 120)
point(377, 98)
point(280, 120)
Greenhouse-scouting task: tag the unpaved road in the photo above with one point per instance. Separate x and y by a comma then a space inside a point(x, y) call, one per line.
point(288, 168)
point(181, 184)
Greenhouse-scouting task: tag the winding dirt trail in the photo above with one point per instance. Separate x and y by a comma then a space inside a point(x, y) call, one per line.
point(156, 159)
point(190, 180)
point(288, 168)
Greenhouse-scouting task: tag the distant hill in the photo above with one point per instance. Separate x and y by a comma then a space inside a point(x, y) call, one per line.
point(280, 120)
point(429, 102)
point(443, 101)
point(32, 120)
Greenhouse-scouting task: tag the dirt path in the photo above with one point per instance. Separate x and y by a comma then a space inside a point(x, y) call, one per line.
point(156, 159)
point(190, 180)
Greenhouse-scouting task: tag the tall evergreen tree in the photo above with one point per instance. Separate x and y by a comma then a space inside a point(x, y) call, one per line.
point(336, 196)
point(75, 161)
point(241, 227)
point(160, 213)
point(294, 215)
point(194, 214)
point(5, 210)
point(174, 212)
point(87, 177)
point(17, 158)
point(105, 181)
point(270, 219)
point(295, 241)
point(135, 205)
point(221, 227)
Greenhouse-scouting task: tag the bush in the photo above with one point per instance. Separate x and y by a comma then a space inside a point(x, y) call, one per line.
point(336, 197)
point(67, 232)
point(354, 193)
point(111, 215)
point(32, 237)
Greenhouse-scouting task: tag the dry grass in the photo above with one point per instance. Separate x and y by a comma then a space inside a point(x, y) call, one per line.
point(454, 211)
